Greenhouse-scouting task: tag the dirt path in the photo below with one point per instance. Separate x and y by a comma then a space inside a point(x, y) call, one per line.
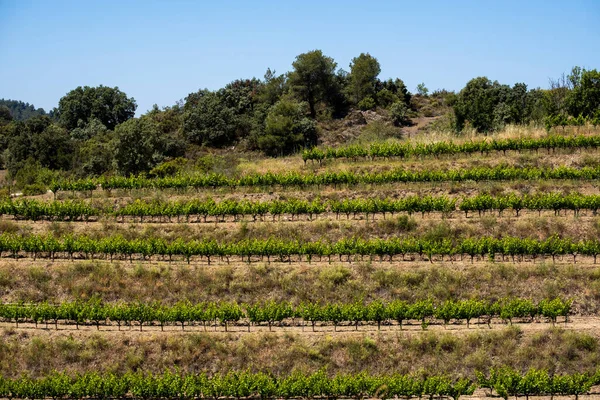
point(418, 124)
point(409, 261)
point(582, 324)
point(222, 221)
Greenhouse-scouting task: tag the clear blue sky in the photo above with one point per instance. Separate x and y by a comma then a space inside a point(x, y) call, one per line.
point(159, 51)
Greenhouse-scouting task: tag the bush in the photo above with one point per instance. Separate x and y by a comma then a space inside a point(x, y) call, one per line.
point(386, 98)
point(33, 178)
point(138, 146)
point(169, 168)
point(287, 129)
point(377, 131)
point(367, 104)
point(399, 113)
point(34, 189)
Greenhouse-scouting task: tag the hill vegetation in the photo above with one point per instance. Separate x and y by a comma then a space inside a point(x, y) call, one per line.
point(93, 130)
point(18, 111)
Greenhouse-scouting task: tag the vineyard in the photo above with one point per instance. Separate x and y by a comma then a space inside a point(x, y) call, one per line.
point(295, 179)
point(461, 269)
point(352, 249)
point(200, 210)
point(504, 382)
point(376, 312)
point(402, 150)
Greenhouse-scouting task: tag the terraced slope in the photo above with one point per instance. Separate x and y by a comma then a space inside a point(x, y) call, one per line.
point(414, 267)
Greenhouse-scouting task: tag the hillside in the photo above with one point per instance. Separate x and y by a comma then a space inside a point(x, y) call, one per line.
point(21, 111)
point(261, 274)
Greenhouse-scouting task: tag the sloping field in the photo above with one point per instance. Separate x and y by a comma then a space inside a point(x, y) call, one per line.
point(425, 265)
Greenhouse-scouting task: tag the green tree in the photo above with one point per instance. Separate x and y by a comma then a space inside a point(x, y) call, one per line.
point(95, 156)
point(584, 99)
point(272, 89)
point(92, 129)
point(241, 95)
point(207, 120)
point(314, 81)
point(367, 104)
point(21, 111)
point(287, 129)
point(40, 139)
point(390, 91)
point(518, 103)
point(53, 148)
point(109, 105)
point(5, 115)
point(242, 98)
point(399, 113)
point(362, 80)
point(168, 121)
point(535, 109)
point(138, 146)
point(18, 148)
point(477, 103)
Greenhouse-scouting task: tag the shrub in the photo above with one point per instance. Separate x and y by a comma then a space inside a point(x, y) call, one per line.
point(287, 129)
point(367, 103)
point(399, 113)
point(169, 168)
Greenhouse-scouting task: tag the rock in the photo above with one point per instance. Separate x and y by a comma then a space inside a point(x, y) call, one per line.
point(370, 116)
point(354, 118)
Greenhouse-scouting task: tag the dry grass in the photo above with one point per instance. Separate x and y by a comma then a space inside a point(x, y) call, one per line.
point(394, 191)
point(509, 132)
point(541, 159)
point(433, 226)
point(426, 137)
point(41, 352)
point(37, 281)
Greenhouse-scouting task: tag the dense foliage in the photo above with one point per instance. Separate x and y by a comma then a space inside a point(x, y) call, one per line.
point(234, 385)
point(18, 110)
point(288, 179)
point(504, 382)
point(166, 210)
point(270, 312)
point(258, 249)
point(91, 132)
point(488, 106)
point(108, 105)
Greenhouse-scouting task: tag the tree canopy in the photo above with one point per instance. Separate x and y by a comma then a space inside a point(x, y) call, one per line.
point(137, 146)
point(287, 128)
point(313, 80)
point(489, 106)
point(108, 105)
point(362, 81)
point(208, 120)
point(584, 99)
point(19, 110)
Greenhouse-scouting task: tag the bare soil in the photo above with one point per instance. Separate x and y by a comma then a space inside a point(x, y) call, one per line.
point(582, 324)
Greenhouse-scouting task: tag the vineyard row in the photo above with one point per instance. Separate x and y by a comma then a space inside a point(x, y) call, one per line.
point(271, 312)
point(504, 382)
point(406, 150)
point(81, 210)
point(295, 179)
point(50, 247)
